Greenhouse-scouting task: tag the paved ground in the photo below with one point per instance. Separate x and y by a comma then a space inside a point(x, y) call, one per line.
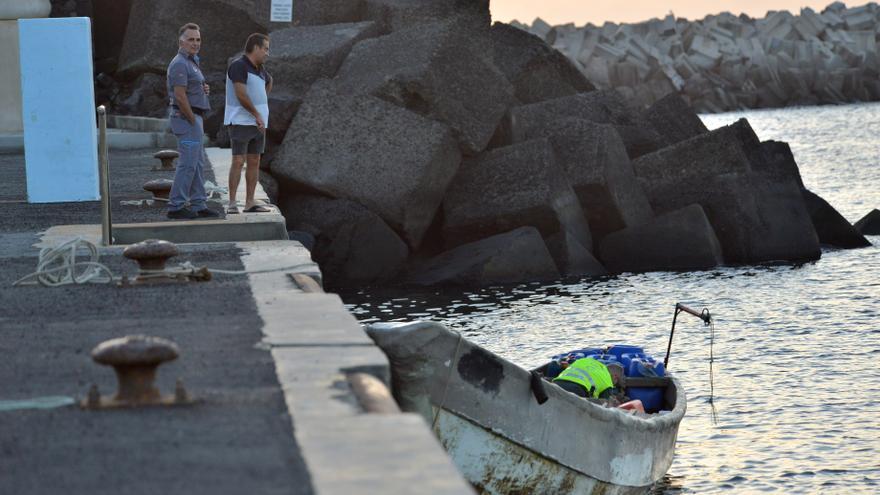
point(129, 170)
point(238, 439)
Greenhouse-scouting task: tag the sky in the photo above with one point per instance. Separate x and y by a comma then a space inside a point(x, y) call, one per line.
point(583, 11)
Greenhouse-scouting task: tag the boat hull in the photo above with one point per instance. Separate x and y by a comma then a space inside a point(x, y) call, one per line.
point(502, 440)
point(496, 466)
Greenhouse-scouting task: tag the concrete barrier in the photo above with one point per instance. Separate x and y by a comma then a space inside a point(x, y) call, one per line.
point(725, 62)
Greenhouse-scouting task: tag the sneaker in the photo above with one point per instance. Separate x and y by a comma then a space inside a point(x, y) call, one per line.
point(182, 214)
point(207, 213)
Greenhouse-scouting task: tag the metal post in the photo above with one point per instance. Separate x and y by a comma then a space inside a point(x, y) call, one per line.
point(679, 307)
point(104, 176)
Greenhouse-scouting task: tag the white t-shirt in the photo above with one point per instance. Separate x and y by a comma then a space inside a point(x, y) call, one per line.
point(256, 79)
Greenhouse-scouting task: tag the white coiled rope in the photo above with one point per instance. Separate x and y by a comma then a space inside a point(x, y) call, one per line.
point(58, 266)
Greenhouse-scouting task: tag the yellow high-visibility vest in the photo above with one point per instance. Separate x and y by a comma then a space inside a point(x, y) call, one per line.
point(590, 374)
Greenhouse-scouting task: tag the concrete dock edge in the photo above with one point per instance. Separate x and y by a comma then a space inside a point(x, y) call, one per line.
point(316, 343)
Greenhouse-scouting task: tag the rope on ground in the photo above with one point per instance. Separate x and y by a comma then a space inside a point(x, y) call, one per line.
point(59, 266)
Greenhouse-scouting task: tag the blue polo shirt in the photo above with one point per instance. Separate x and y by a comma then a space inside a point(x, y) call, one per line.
point(184, 71)
point(241, 70)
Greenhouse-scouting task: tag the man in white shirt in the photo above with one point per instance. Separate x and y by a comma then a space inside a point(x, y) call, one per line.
point(247, 113)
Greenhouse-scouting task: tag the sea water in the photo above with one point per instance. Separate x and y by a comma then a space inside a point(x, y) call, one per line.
point(792, 403)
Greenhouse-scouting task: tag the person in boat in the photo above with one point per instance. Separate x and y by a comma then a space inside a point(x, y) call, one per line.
point(592, 379)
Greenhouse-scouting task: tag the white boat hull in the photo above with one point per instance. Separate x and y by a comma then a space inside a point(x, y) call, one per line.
point(502, 440)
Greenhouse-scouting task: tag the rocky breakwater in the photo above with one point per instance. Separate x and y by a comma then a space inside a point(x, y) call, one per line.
point(448, 151)
point(726, 62)
point(418, 143)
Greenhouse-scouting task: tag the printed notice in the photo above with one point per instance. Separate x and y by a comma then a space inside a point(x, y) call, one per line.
point(282, 11)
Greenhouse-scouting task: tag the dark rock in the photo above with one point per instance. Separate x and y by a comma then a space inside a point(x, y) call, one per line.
point(870, 223)
point(106, 90)
point(831, 227)
point(601, 107)
point(571, 257)
point(148, 97)
point(392, 161)
point(674, 119)
point(512, 257)
point(270, 186)
point(439, 70)
point(598, 168)
point(537, 71)
point(756, 209)
point(109, 18)
point(213, 121)
point(282, 109)
point(773, 158)
point(151, 37)
point(313, 12)
point(300, 56)
point(352, 245)
point(394, 15)
point(510, 187)
point(679, 240)
point(304, 238)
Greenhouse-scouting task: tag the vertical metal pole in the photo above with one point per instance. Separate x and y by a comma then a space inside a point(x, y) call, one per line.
point(104, 176)
point(671, 333)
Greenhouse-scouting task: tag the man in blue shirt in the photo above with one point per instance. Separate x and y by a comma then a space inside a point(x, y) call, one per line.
point(188, 97)
point(247, 113)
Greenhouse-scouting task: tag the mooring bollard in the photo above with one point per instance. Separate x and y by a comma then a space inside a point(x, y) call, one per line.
point(135, 358)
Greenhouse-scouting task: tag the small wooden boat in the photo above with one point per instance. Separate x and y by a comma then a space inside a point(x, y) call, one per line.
point(484, 411)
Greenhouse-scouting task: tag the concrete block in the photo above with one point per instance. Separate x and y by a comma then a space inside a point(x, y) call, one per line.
point(600, 172)
point(246, 227)
point(301, 55)
point(395, 15)
point(679, 240)
point(392, 455)
point(514, 186)
point(757, 210)
point(333, 147)
point(597, 72)
point(536, 71)
point(870, 223)
point(601, 107)
point(674, 119)
point(831, 227)
point(511, 257)
point(353, 245)
point(438, 70)
point(319, 320)
point(540, 28)
point(857, 20)
point(572, 258)
point(151, 36)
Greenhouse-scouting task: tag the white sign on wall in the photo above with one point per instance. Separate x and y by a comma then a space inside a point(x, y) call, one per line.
point(282, 11)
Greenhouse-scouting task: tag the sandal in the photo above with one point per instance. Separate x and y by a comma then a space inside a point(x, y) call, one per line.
point(257, 209)
point(232, 210)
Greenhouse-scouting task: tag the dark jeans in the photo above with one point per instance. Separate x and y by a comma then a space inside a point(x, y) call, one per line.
point(572, 387)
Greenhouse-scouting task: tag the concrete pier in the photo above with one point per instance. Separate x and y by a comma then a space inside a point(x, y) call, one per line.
point(267, 360)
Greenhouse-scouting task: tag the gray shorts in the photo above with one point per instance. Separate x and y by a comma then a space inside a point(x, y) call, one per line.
point(247, 140)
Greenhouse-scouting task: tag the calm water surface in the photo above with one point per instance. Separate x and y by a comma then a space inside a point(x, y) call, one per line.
point(797, 348)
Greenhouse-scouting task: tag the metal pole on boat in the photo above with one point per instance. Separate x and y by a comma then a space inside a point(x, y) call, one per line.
point(679, 307)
